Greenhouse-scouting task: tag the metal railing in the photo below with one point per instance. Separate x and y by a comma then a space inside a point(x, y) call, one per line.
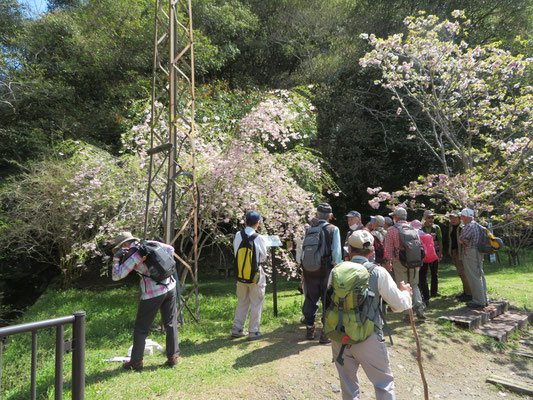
point(77, 319)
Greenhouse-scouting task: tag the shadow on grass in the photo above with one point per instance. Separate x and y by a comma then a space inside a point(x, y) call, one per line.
point(283, 342)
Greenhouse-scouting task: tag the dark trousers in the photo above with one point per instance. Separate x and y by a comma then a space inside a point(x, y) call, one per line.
point(423, 280)
point(315, 290)
point(146, 314)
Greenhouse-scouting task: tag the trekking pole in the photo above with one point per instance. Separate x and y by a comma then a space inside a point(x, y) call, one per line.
point(419, 355)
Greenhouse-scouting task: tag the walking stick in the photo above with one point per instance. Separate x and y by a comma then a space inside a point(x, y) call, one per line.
point(419, 355)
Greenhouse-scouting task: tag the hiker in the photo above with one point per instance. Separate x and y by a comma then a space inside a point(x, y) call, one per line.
point(250, 251)
point(377, 227)
point(434, 230)
point(371, 353)
point(473, 260)
point(430, 256)
point(353, 219)
point(321, 252)
point(154, 296)
point(313, 221)
point(394, 248)
point(456, 251)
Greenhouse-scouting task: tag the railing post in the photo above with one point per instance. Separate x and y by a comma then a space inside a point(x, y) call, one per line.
point(78, 356)
point(33, 390)
point(60, 349)
point(1, 351)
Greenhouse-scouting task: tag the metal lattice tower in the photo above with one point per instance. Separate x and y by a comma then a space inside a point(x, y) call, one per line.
point(171, 213)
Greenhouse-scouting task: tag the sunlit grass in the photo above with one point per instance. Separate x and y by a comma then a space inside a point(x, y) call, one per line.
point(209, 357)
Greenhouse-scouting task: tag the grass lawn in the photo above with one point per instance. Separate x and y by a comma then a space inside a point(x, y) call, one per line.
point(209, 358)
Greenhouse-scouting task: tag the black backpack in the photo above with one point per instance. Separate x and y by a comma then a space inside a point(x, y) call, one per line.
point(160, 264)
point(245, 262)
point(379, 250)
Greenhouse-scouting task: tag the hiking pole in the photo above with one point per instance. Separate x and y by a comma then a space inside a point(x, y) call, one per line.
point(419, 355)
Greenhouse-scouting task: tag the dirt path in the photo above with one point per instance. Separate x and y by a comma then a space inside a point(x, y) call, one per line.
point(455, 364)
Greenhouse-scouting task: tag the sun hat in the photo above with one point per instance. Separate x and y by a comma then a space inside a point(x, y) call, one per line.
point(122, 238)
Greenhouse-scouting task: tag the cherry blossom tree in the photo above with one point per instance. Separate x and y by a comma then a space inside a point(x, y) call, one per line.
point(65, 211)
point(470, 107)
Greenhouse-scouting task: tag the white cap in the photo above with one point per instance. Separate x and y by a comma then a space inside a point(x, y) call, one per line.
point(467, 212)
point(361, 239)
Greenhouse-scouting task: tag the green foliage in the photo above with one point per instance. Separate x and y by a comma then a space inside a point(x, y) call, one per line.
point(76, 196)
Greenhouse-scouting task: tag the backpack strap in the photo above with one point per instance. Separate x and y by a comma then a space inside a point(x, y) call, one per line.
point(328, 237)
point(370, 266)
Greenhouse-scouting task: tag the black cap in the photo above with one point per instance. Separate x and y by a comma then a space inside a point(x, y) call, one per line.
point(354, 214)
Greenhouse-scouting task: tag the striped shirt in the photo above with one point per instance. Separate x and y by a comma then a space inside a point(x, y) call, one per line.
point(470, 234)
point(149, 287)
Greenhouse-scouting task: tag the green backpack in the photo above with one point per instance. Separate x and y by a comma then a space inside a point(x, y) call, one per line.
point(346, 318)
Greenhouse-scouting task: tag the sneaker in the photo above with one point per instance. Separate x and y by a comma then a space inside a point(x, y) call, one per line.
point(237, 333)
point(133, 366)
point(254, 335)
point(310, 334)
point(171, 362)
point(323, 338)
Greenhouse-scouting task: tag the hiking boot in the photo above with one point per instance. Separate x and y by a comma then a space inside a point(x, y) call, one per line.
point(466, 298)
point(302, 321)
point(323, 338)
point(171, 362)
point(475, 306)
point(133, 366)
point(254, 335)
point(310, 334)
point(406, 318)
point(421, 316)
point(237, 333)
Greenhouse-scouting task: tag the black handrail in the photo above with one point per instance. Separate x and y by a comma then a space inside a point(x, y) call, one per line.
point(78, 351)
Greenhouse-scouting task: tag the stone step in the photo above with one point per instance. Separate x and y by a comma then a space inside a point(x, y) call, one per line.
point(502, 326)
point(473, 319)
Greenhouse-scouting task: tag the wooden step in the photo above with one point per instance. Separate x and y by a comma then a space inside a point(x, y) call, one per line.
point(502, 326)
point(473, 319)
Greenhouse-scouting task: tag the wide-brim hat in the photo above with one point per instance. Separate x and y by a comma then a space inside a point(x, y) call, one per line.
point(122, 238)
